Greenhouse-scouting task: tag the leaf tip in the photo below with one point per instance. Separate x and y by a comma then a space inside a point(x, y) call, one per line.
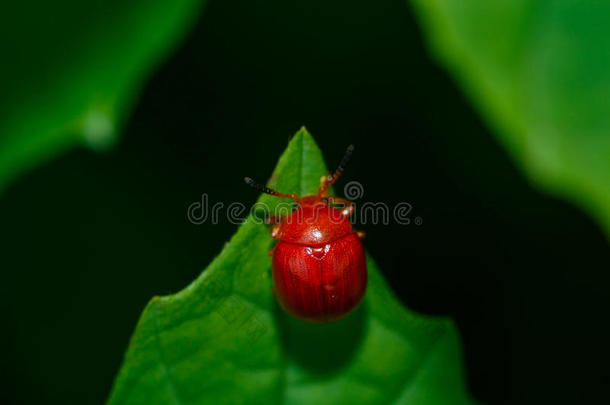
point(99, 129)
point(300, 134)
point(304, 140)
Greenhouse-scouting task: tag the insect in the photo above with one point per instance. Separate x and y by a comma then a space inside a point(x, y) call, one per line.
point(318, 263)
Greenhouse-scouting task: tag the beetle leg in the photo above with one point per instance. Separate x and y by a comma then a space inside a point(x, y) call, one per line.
point(270, 252)
point(274, 230)
point(361, 234)
point(348, 206)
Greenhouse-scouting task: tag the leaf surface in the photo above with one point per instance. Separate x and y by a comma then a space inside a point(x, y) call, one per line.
point(539, 71)
point(71, 70)
point(223, 339)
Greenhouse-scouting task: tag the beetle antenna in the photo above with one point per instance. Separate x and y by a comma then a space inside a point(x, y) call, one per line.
point(267, 190)
point(332, 178)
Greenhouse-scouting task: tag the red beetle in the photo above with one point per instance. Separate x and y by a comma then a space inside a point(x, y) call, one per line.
point(318, 263)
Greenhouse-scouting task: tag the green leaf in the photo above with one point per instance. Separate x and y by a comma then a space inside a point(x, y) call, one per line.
point(223, 339)
point(70, 71)
point(540, 73)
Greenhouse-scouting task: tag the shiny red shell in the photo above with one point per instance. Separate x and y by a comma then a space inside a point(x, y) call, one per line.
point(319, 264)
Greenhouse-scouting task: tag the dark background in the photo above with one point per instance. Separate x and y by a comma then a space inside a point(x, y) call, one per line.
point(88, 239)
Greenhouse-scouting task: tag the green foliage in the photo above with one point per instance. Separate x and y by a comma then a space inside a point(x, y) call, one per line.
point(540, 73)
point(223, 338)
point(70, 71)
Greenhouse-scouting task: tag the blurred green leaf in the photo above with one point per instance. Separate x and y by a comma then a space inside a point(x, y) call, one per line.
point(540, 73)
point(70, 71)
point(223, 339)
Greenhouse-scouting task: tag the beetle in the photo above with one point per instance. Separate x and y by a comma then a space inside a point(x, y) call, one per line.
point(318, 263)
